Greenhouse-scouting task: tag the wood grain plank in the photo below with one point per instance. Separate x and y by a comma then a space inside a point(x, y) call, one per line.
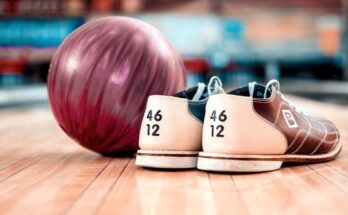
point(145, 191)
point(123, 197)
point(226, 195)
point(91, 199)
point(315, 194)
point(335, 177)
point(292, 190)
point(16, 167)
point(263, 193)
point(54, 183)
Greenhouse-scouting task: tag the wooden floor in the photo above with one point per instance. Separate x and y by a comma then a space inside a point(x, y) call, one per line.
point(44, 172)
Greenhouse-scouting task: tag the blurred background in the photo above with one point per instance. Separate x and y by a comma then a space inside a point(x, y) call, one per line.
point(303, 43)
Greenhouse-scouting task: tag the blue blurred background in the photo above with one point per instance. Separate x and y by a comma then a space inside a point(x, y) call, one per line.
point(303, 43)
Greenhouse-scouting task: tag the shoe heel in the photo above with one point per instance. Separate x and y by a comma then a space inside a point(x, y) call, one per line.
point(166, 159)
point(236, 165)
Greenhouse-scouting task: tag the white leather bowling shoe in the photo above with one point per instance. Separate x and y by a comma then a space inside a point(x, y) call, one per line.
point(171, 130)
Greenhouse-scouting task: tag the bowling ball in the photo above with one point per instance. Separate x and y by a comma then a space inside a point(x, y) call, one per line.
point(101, 76)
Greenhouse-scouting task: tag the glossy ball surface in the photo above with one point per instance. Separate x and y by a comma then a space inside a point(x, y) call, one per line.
point(101, 76)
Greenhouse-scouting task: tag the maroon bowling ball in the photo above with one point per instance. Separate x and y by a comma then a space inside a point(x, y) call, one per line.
point(101, 76)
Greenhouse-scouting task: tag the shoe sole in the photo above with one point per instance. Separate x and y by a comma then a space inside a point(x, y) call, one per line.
point(167, 159)
point(257, 163)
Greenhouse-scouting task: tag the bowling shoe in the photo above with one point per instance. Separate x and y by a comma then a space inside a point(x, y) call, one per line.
point(255, 128)
point(171, 130)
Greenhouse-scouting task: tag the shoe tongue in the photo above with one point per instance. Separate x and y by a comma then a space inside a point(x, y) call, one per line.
point(254, 89)
point(259, 92)
point(196, 93)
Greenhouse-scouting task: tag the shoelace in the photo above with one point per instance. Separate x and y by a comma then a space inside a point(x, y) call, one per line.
point(214, 87)
point(276, 85)
point(199, 92)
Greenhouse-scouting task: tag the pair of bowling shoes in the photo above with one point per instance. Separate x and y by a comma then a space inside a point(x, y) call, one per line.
point(253, 128)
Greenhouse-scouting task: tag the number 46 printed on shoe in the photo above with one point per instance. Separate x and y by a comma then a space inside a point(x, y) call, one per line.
point(217, 128)
point(152, 126)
